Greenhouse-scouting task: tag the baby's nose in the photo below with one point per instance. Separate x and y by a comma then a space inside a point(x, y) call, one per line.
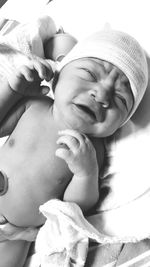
point(105, 88)
point(102, 94)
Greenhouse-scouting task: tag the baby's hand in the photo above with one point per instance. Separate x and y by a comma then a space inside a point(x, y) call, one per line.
point(26, 80)
point(78, 152)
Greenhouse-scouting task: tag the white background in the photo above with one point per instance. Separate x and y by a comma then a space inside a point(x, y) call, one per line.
point(80, 17)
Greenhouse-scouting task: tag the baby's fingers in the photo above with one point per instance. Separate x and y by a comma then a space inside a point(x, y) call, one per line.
point(69, 141)
point(44, 69)
point(78, 138)
point(63, 153)
point(21, 79)
point(27, 73)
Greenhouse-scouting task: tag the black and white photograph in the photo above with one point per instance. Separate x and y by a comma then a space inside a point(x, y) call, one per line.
point(74, 133)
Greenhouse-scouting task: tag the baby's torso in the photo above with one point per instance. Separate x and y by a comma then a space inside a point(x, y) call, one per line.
point(34, 173)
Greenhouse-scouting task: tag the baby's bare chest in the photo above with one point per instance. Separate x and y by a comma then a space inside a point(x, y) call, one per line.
point(31, 149)
point(35, 173)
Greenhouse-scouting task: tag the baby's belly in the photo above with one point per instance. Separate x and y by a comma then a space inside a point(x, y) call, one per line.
point(30, 184)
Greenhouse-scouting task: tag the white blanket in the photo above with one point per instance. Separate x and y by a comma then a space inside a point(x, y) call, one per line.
point(64, 238)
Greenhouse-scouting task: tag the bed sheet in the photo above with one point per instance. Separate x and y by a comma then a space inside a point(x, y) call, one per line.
point(114, 255)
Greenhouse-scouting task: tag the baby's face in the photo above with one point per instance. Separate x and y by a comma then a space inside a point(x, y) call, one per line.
point(93, 96)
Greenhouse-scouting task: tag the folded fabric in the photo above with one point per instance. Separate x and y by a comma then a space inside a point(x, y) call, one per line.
point(24, 40)
point(30, 37)
point(64, 238)
point(9, 231)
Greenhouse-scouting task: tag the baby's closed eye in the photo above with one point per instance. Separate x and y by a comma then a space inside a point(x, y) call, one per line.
point(87, 74)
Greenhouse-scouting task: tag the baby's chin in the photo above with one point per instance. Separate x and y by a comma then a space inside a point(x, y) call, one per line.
point(104, 130)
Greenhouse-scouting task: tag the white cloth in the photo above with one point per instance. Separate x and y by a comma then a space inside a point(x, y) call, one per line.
point(30, 37)
point(63, 239)
point(25, 40)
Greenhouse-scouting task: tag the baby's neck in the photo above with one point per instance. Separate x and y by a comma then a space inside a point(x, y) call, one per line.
point(57, 120)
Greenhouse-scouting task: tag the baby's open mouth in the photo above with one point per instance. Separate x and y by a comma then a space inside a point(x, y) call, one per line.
point(87, 110)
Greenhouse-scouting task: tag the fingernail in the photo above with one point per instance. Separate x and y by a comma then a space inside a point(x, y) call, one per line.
point(45, 90)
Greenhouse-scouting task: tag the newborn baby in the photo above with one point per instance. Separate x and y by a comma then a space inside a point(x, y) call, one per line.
point(97, 88)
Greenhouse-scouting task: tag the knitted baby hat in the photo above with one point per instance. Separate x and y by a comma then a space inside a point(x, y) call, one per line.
point(121, 50)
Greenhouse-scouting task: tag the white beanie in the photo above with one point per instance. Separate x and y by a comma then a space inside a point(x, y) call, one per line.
point(121, 50)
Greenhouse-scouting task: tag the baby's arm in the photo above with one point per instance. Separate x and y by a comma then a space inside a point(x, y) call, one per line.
point(13, 253)
point(10, 121)
point(80, 155)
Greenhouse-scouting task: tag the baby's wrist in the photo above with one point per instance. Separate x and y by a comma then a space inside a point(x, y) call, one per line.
point(9, 91)
point(15, 93)
point(87, 175)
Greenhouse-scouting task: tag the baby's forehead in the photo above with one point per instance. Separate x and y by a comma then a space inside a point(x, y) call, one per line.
point(107, 66)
